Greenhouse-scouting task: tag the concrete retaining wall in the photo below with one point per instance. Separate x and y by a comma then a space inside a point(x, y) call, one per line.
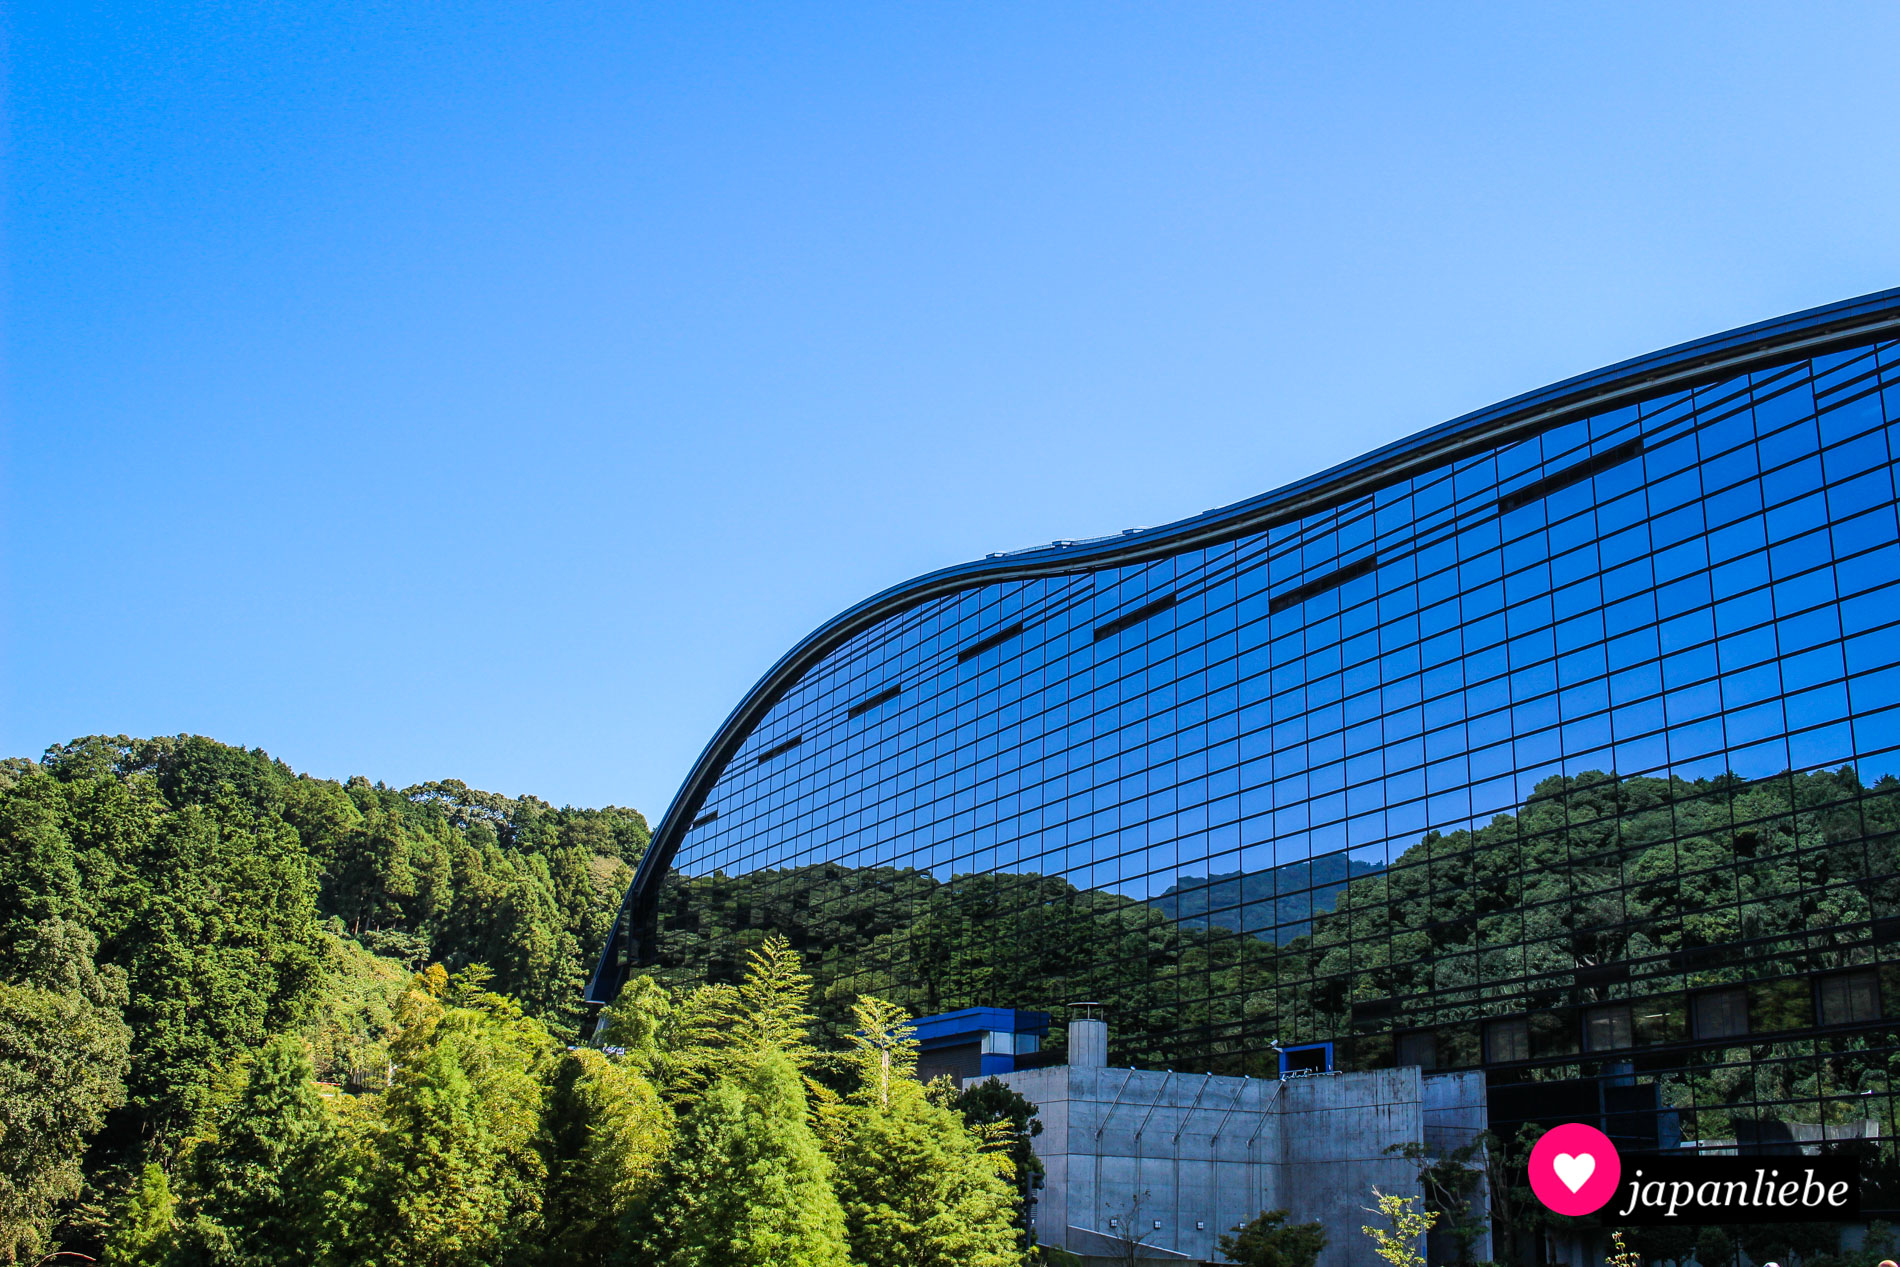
point(1175, 1160)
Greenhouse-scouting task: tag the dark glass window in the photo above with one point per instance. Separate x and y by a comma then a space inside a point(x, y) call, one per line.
point(1420, 1047)
point(1608, 1028)
point(1720, 1013)
point(1847, 998)
point(1507, 1040)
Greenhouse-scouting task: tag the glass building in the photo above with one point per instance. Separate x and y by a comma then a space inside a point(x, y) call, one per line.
point(1559, 740)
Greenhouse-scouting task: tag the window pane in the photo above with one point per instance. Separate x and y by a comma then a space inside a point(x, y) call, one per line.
point(1607, 1028)
point(1721, 1013)
point(1507, 1040)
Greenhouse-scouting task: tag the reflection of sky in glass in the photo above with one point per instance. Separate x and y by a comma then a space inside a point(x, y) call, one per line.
point(1691, 586)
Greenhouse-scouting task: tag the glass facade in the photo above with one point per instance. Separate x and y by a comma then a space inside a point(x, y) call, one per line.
point(1572, 756)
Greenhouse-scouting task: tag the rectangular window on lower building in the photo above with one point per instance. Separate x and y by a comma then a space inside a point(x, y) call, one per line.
point(1846, 998)
point(1507, 1040)
point(1720, 1013)
point(1608, 1028)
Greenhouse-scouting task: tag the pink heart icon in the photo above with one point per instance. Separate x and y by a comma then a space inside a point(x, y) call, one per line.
point(1574, 1169)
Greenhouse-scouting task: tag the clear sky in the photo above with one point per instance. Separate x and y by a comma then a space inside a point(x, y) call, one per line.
point(494, 391)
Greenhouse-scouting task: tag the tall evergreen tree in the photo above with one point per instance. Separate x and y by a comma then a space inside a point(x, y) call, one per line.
point(746, 1185)
point(916, 1187)
point(773, 1006)
point(606, 1134)
point(253, 1186)
point(142, 1227)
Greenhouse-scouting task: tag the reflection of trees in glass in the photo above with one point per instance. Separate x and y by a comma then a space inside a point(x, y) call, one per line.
point(1003, 940)
point(1617, 894)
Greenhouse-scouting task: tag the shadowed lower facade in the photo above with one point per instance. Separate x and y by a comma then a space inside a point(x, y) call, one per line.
point(1557, 743)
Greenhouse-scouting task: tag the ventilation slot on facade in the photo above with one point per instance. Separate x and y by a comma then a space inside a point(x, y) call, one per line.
point(1319, 585)
point(780, 749)
point(996, 639)
point(703, 819)
point(864, 706)
point(1128, 621)
point(1570, 475)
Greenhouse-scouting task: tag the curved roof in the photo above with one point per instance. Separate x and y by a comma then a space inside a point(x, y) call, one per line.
point(1750, 347)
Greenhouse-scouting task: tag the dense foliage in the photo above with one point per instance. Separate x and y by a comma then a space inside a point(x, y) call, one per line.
point(1270, 1240)
point(933, 946)
point(173, 908)
point(248, 1016)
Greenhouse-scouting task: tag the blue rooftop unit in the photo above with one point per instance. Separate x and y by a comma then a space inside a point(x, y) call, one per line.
point(976, 1042)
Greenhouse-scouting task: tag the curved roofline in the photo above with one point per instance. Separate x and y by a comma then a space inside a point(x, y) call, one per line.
point(1800, 334)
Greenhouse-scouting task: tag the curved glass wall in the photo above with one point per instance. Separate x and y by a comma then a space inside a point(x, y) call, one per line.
point(1574, 759)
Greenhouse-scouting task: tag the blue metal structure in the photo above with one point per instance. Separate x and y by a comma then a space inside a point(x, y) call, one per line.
point(976, 1042)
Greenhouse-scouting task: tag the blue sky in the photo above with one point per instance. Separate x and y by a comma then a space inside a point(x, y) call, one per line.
point(494, 391)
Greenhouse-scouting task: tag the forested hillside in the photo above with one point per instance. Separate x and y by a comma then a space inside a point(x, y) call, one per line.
point(1598, 889)
point(236, 997)
point(168, 906)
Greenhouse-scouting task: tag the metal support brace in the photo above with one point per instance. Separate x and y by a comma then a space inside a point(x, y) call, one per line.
point(1240, 1093)
point(1186, 1117)
point(1113, 1103)
point(1278, 1087)
point(1157, 1104)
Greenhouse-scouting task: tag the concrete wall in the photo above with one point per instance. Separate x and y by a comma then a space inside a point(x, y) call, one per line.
point(1337, 1130)
point(1127, 1149)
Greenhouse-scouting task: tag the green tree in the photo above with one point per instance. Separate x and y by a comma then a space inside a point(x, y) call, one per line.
point(434, 1196)
point(1270, 1241)
point(636, 1022)
point(916, 1187)
point(713, 1029)
point(1000, 1114)
point(1714, 1246)
point(606, 1135)
point(746, 1184)
point(1398, 1241)
point(1451, 1182)
point(216, 926)
point(64, 1053)
point(452, 1172)
point(771, 1011)
point(254, 1184)
point(142, 1225)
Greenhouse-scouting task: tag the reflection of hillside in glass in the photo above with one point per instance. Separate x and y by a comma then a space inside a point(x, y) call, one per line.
point(1599, 891)
point(1276, 904)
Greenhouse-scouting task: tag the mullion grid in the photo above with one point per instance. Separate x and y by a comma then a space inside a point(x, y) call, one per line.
point(1282, 557)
